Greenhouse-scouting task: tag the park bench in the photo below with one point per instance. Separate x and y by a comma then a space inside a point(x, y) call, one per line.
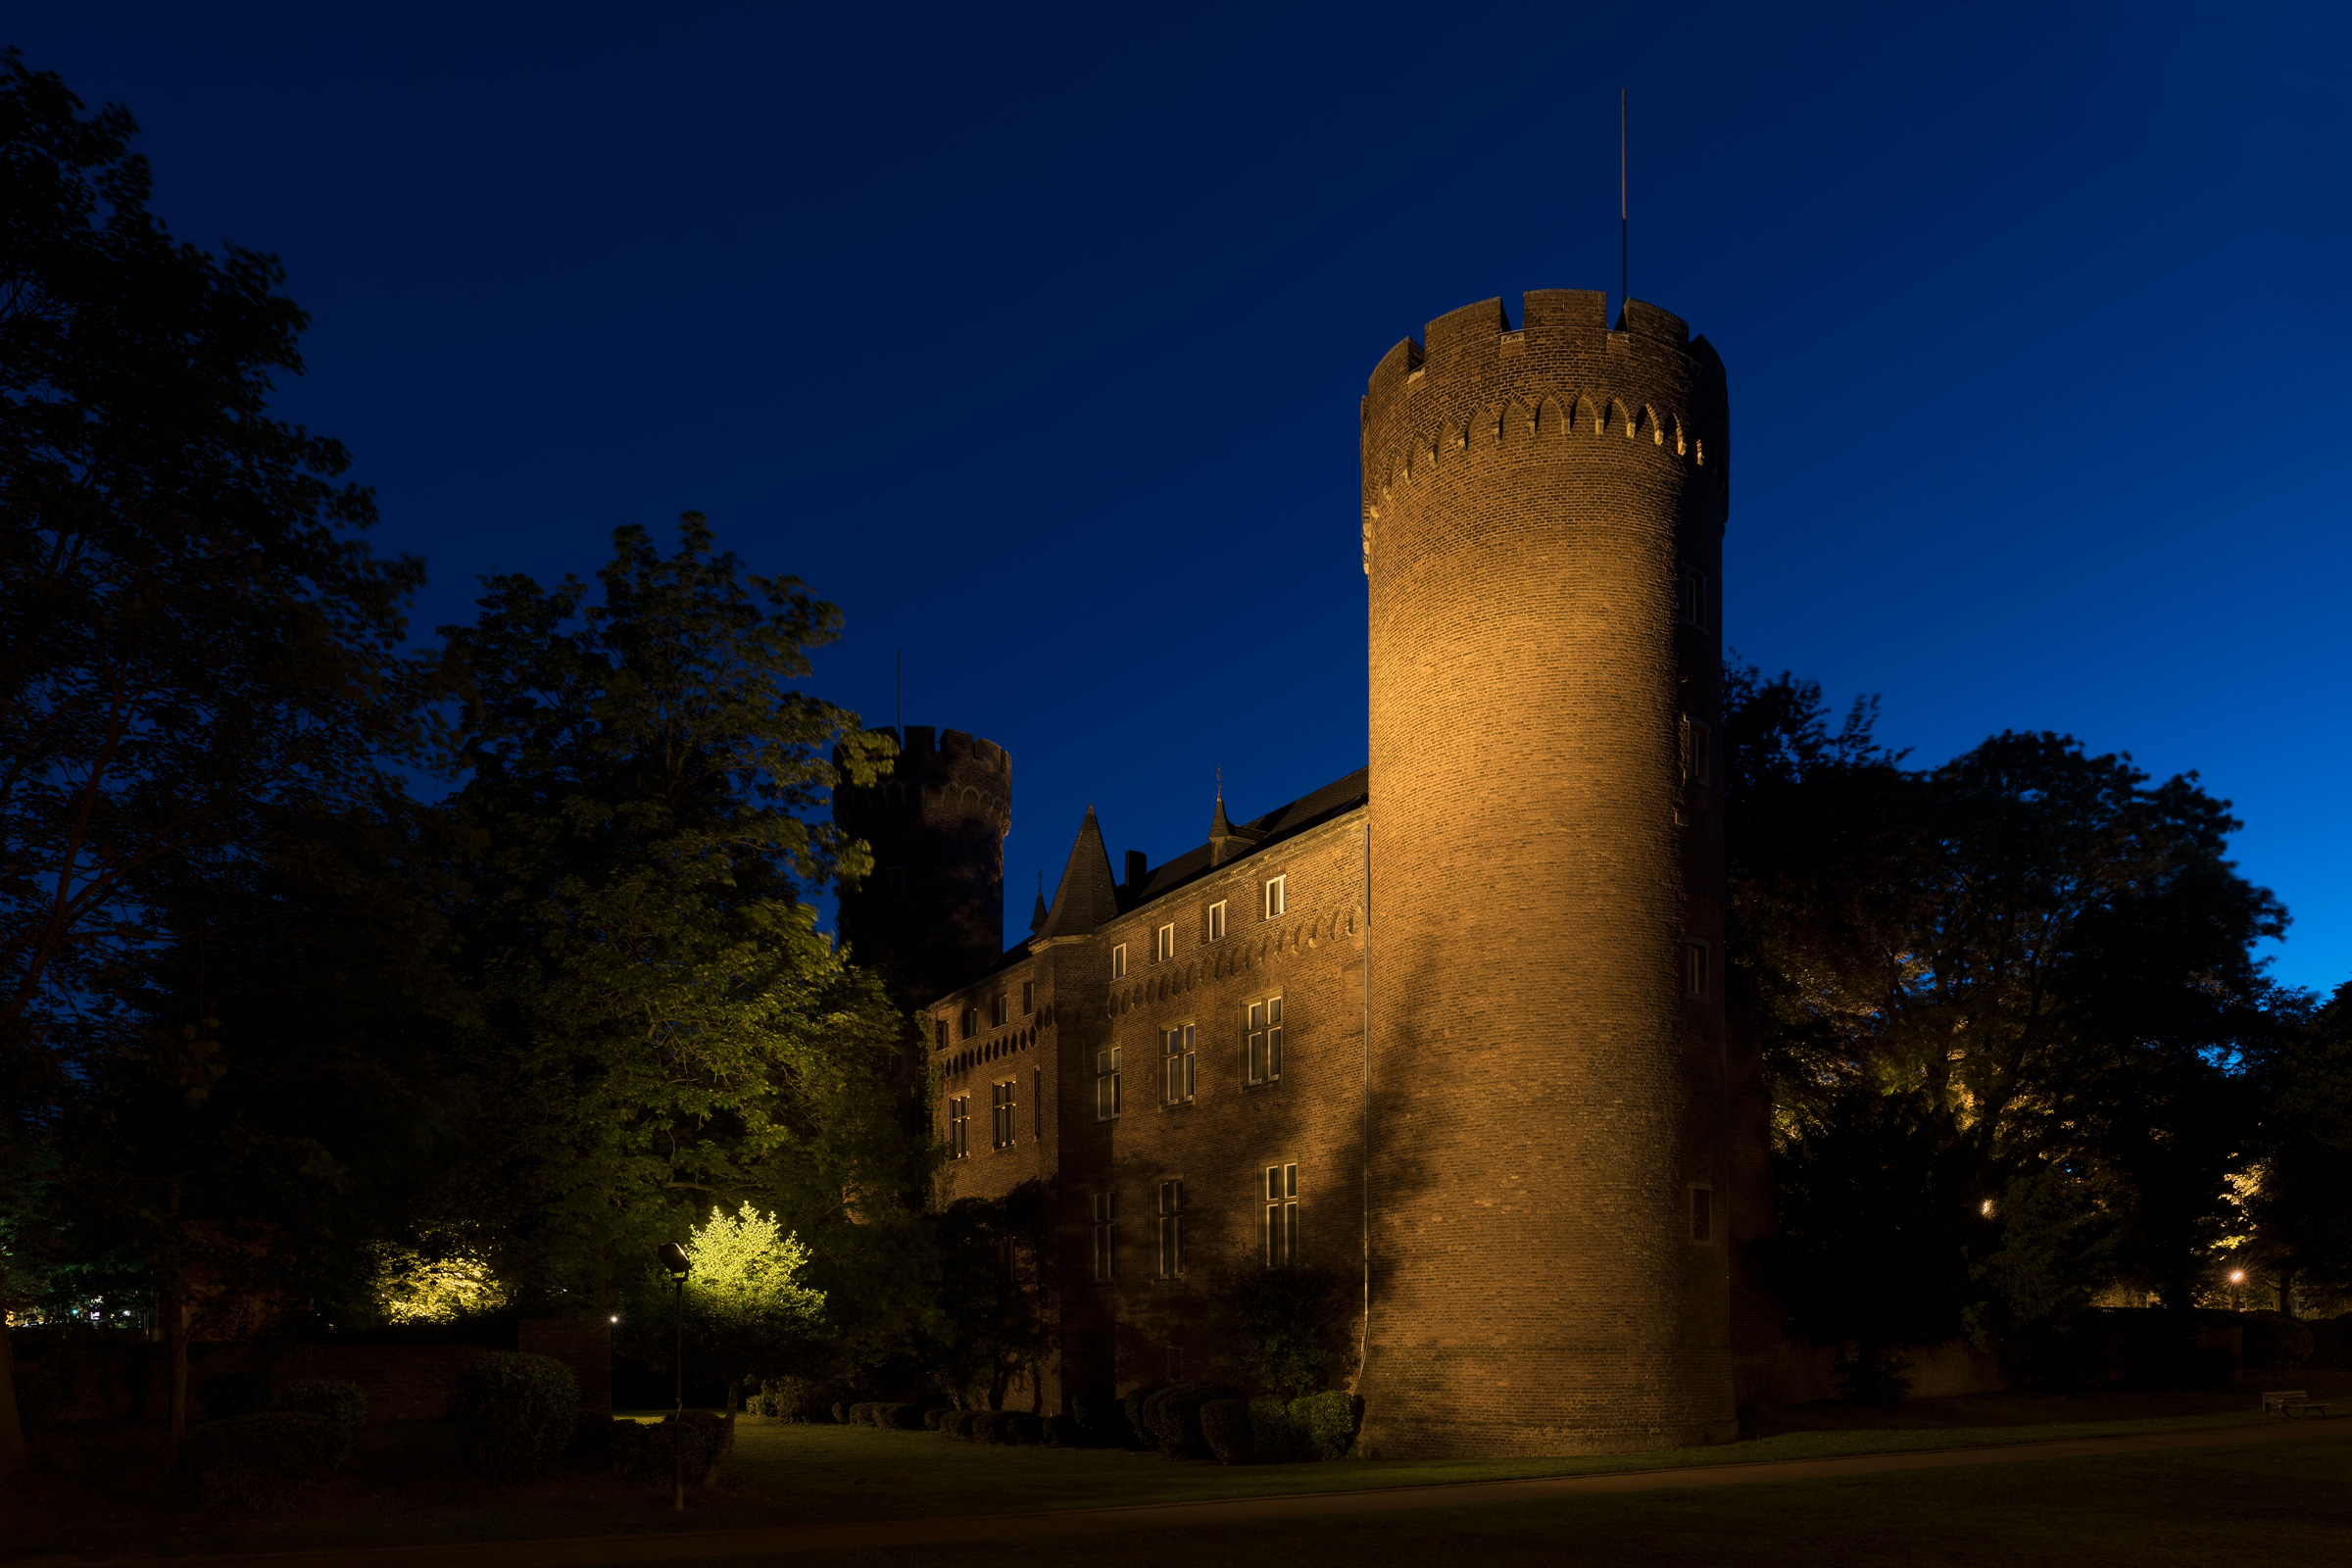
point(2287, 1401)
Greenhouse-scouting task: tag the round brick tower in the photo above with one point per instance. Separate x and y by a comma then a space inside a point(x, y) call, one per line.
point(1543, 513)
point(932, 915)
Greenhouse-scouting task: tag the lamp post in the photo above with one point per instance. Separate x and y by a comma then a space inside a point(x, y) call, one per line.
point(2237, 1277)
point(674, 1258)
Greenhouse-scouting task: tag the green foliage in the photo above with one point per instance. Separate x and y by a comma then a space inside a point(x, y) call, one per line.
point(1287, 1327)
point(2299, 1228)
point(517, 1412)
point(651, 1450)
point(786, 1398)
point(747, 1314)
point(342, 1406)
point(1274, 1437)
point(1135, 1404)
point(264, 1459)
point(986, 1326)
point(229, 1395)
point(1330, 1421)
point(1174, 1416)
point(643, 785)
point(1225, 1428)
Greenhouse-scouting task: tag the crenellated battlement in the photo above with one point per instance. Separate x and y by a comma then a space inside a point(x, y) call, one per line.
point(1563, 380)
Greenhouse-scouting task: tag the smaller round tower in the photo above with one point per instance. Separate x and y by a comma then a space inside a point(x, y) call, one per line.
point(932, 915)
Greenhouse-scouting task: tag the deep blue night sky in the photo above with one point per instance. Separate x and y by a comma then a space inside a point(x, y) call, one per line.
point(1034, 339)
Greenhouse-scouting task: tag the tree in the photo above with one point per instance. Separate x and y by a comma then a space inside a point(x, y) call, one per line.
point(747, 1314)
point(670, 1029)
point(2298, 1192)
point(1285, 1325)
point(192, 630)
point(988, 1327)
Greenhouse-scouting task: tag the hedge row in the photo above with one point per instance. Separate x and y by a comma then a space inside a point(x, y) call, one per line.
point(651, 1450)
point(1182, 1420)
point(884, 1413)
point(264, 1455)
point(1266, 1431)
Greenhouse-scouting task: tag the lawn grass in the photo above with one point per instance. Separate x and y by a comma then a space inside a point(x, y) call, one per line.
point(103, 1492)
point(2213, 1508)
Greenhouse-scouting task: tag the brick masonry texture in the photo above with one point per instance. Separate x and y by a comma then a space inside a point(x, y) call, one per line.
point(1529, 862)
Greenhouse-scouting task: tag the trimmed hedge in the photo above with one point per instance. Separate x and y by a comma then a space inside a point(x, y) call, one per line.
point(1022, 1428)
point(841, 1414)
point(1140, 1433)
point(518, 1411)
point(1062, 1432)
point(1102, 1421)
point(342, 1406)
point(1174, 1414)
point(227, 1394)
point(964, 1425)
point(1225, 1427)
point(648, 1450)
point(933, 1418)
point(268, 1457)
point(1330, 1420)
point(1274, 1437)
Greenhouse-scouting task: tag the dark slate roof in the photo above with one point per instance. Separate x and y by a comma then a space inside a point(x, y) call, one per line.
point(1088, 897)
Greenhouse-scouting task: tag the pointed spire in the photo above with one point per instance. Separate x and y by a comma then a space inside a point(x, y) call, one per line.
point(1037, 916)
point(1225, 841)
point(1087, 895)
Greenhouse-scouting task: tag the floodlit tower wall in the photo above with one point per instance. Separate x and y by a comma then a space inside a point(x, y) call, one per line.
point(1543, 517)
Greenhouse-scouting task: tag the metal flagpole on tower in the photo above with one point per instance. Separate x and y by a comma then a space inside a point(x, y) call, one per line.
point(1624, 229)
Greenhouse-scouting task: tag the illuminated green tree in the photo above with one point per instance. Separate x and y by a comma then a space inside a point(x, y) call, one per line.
point(747, 1314)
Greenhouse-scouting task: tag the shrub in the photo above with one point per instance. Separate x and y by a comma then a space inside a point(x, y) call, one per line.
point(1225, 1428)
point(1060, 1432)
point(784, 1399)
point(342, 1406)
point(648, 1450)
point(1140, 1433)
point(234, 1394)
point(933, 1419)
point(1102, 1421)
point(269, 1457)
point(1329, 1420)
point(964, 1425)
point(515, 1410)
point(1022, 1428)
point(1175, 1414)
point(990, 1427)
point(2275, 1340)
point(1274, 1437)
point(899, 1417)
point(841, 1414)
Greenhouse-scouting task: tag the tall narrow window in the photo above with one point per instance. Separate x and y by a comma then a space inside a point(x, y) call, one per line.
point(1282, 1215)
point(971, 1022)
point(1107, 1084)
point(1216, 921)
point(1702, 1215)
point(1264, 1032)
point(1697, 756)
point(1694, 597)
point(1118, 961)
point(939, 1039)
point(1163, 944)
point(1002, 1119)
point(1028, 998)
point(1171, 1229)
point(959, 1126)
point(997, 1009)
point(1037, 1104)
point(1694, 975)
point(1176, 1065)
point(1107, 1236)
point(1277, 897)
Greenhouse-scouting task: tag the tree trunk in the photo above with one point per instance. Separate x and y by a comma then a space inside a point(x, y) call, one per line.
point(175, 1329)
point(12, 1427)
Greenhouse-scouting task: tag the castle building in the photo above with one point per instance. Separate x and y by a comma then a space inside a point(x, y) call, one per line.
point(1452, 1023)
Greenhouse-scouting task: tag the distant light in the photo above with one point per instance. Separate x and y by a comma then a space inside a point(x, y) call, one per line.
point(1985, 1208)
point(617, 1318)
point(2237, 1276)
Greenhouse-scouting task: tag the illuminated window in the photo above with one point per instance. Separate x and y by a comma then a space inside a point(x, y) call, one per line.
point(1176, 1065)
point(1028, 998)
point(997, 1007)
point(1216, 921)
point(1694, 971)
point(1702, 1214)
point(1694, 597)
point(1171, 1229)
point(1263, 1021)
point(1107, 1236)
point(1697, 753)
point(1107, 1084)
point(1282, 1215)
point(1163, 944)
point(1118, 961)
point(959, 1126)
point(1277, 897)
point(971, 1022)
point(1001, 1118)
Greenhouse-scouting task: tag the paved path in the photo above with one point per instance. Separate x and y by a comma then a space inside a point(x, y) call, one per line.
point(588, 1551)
